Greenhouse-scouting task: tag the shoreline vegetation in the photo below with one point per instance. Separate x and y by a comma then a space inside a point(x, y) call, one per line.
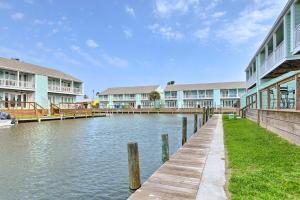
point(261, 165)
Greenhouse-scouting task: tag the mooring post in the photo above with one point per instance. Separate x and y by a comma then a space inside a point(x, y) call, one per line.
point(133, 166)
point(165, 147)
point(203, 116)
point(195, 123)
point(184, 130)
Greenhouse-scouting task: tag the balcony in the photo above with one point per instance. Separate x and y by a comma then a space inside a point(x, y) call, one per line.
point(251, 81)
point(26, 85)
point(14, 84)
point(77, 91)
point(171, 97)
point(273, 59)
point(297, 36)
point(66, 89)
point(191, 97)
point(53, 88)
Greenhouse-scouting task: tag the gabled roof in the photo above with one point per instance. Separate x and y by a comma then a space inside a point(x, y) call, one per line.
point(17, 65)
point(130, 90)
point(206, 86)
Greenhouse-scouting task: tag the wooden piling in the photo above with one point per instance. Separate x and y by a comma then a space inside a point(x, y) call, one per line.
point(203, 116)
point(133, 166)
point(184, 130)
point(195, 123)
point(165, 147)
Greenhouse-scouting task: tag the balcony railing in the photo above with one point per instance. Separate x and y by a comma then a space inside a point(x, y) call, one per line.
point(145, 98)
point(297, 36)
point(279, 52)
point(273, 59)
point(53, 88)
point(251, 80)
point(229, 96)
point(66, 89)
point(77, 91)
point(263, 68)
point(26, 84)
point(14, 84)
point(191, 97)
point(270, 61)
point(170, 97)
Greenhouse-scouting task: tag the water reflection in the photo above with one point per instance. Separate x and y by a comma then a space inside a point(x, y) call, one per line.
point(81, 159)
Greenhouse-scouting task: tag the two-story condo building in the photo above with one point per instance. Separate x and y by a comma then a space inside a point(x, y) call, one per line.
point(128, 97)
point(22, 82)
point(225, 95)
point(273, 77)
point(271, 82)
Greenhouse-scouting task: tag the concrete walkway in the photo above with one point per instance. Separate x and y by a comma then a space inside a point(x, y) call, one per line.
point(195, 171)
point(213, 178)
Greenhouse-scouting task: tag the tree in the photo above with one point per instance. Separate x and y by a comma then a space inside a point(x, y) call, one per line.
point(85, 96)
point(154, 96)
point(98, 94)
point(171, 83)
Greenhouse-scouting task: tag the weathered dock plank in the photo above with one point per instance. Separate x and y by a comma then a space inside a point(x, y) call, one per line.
point(180, 177)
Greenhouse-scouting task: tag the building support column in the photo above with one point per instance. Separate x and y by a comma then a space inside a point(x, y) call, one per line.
point(293, 27)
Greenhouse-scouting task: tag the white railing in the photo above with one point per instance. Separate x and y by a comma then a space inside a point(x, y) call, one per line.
point(270, 61)
point(251, 80)
point(170, 97)
point(77, 91)
point(263, 68)
point(66, 89)
point(53, 88)
point(26, 85)
point(8, 83)
point(229, 96)
point(14, 84)
point(297, 36)
point(279, 52)
point(190, 97)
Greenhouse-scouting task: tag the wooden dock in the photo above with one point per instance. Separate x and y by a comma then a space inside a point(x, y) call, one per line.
point(53, 118)
point(180, 177)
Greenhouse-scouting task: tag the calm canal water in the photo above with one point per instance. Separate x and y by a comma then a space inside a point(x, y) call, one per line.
point(81, 159)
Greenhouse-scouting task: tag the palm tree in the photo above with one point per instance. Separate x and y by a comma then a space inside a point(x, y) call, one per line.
point(154, 96)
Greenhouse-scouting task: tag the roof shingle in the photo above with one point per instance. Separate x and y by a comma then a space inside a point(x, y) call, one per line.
point(206, 86)
point(130, 90)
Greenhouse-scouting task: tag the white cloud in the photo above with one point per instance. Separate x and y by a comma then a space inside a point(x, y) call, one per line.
point(17, 16)
point(87, 57)
point(130, 11)
point(29, 1)
point(128, 32)
point(91, 43)
point(115, 61)
point(202, 33)
point(166, 8)
point(218, 14)
point(75, 48)
point(254, 21)
point(4, 5)
point(166, 32)
point(40, 21)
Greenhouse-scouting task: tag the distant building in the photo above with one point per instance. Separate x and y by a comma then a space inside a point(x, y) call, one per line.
point(226, 95)
point(23, 82)
point(129, 97)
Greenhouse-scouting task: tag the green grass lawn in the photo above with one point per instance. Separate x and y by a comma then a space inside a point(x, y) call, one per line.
point(261, 165)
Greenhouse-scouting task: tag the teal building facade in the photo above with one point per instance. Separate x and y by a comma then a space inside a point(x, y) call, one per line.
point(22, 84)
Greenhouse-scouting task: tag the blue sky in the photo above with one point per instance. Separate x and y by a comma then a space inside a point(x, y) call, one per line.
point(110, 43)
